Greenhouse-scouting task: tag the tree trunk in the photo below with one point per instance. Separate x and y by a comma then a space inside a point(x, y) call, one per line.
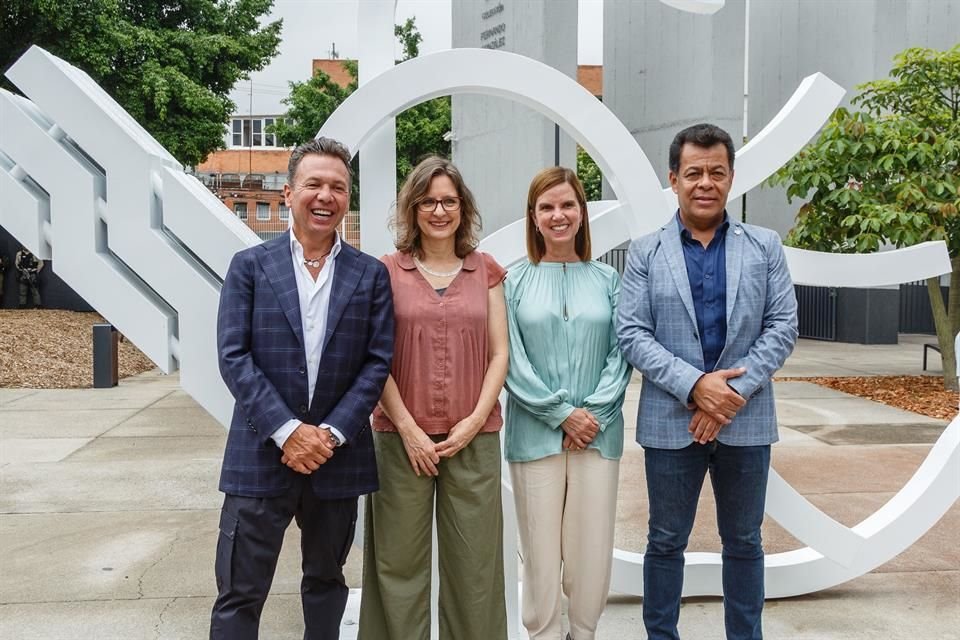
point(945, 322)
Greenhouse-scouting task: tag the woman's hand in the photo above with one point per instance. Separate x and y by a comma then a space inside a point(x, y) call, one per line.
point(459, 437)
point(581, 426)
point(421, 451)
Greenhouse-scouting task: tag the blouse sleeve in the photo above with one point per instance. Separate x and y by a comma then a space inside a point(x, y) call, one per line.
point(495, 273)
point(523, 382)
point(606, 402)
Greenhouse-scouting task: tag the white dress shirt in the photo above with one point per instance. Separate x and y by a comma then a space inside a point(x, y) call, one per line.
point(314, 305)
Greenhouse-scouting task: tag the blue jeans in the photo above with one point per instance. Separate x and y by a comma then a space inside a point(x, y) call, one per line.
point(674, 480)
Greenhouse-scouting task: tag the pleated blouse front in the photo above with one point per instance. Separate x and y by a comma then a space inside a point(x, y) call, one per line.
point(440, 352)
point(563, 355)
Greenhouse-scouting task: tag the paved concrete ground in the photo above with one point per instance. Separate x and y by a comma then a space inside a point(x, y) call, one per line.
point(108, 513)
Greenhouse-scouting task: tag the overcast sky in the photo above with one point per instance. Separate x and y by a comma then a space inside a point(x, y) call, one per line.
point(311, 27)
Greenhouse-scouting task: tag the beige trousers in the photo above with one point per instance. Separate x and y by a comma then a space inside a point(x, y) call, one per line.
point(566, 509)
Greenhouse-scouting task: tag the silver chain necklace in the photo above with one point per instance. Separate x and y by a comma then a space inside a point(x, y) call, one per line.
point(438, 274)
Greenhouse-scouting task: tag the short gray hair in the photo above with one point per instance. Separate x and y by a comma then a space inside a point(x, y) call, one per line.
point(322, 147)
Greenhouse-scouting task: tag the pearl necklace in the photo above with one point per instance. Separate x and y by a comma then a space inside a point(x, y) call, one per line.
point(438, 274)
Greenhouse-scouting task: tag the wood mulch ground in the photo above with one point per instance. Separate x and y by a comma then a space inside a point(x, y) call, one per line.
point(920, 394)
point(52, 349)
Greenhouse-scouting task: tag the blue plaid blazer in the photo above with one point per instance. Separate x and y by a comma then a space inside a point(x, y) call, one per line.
point(262, 361)
point(657, 332)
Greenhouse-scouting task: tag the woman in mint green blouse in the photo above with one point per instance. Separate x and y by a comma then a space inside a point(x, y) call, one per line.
point(564, 426)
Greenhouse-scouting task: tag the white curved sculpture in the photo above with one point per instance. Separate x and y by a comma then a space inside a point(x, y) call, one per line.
point(78, 213)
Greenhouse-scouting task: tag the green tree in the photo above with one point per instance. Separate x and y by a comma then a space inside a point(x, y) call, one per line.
point(590, 176)
point(421, 129)
point(170, 64)
point(890, 173)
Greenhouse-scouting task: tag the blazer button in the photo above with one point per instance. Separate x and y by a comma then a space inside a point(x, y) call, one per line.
point(303, 408)
point(249, 422)
point(302, 370)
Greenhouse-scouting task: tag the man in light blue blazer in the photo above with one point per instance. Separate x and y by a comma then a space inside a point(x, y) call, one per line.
point(707, 315)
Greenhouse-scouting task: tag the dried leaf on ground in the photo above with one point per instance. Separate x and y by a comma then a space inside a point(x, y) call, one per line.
point(920, 394)
point(53, 349)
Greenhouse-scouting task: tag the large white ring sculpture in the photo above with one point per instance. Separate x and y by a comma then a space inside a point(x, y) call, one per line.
point(66, 193)
point(835, 553)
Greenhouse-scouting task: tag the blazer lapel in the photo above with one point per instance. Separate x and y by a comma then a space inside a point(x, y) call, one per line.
point(734, 251)
point(346, 276)
point(673, 251)
point(278, 266)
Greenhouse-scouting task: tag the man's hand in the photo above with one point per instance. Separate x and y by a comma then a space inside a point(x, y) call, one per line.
point(714, 396)
point(421, 451)
point(460, 436)
point(703, 427)
point(307, 448)
point(582, 427)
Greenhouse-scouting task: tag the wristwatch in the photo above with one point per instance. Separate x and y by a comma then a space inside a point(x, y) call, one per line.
point(336, 439)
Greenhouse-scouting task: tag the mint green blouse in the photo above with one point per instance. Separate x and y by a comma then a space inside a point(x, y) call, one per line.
point(563, 355)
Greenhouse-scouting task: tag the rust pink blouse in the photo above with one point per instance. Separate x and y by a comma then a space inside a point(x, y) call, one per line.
point(440, 351)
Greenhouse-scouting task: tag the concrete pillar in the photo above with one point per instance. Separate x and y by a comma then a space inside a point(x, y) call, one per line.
point(665, 69)
point(497, 144)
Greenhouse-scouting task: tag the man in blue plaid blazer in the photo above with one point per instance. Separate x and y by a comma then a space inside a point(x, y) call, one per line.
point(707, 314)
point(305, 337)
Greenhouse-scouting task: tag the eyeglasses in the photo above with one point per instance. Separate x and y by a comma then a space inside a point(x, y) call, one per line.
point(429, 205)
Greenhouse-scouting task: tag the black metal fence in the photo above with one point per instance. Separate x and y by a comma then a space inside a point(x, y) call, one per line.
point(916, 315)
point(817, 312)
point(616, 258)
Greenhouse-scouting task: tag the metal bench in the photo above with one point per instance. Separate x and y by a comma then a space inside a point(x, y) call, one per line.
point(927, 346)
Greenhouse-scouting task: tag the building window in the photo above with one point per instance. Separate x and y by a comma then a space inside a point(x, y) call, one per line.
point(269, 139)
point(284, 212)
point(240, 208)
point(253, 132)
point(263, 211)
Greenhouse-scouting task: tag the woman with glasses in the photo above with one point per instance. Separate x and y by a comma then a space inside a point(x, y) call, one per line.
point(564, 432)
point(436, 428)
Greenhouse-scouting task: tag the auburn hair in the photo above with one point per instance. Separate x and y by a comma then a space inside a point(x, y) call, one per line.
point(542, 182)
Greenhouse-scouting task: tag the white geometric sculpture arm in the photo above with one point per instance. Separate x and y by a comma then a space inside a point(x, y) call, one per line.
point(822, 269)
point(78, 237)
point(144, 217)
point(797, 122)
point(378, 154)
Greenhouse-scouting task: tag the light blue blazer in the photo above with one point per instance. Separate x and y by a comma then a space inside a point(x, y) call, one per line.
point(657, 332)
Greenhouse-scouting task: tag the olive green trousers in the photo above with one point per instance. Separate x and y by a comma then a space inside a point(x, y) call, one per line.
point(397, 545)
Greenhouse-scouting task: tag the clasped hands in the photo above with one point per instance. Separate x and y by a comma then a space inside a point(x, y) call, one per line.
point(424, 454)
point(307, 448)
point(716, 404)
point(579, 429)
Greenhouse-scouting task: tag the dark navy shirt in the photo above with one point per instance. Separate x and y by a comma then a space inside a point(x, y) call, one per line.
point(707, 272)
